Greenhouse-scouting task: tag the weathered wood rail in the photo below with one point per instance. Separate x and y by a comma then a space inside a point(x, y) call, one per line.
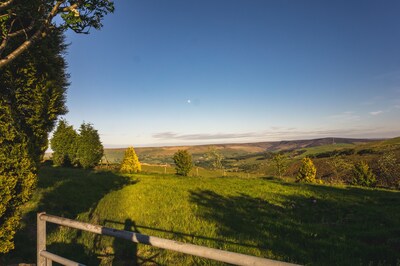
point(45, 258)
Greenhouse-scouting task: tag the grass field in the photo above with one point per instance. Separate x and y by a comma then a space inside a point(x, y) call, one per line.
point(307, 224)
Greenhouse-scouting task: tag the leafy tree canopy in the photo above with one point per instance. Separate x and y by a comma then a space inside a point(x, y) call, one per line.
point(24, 22)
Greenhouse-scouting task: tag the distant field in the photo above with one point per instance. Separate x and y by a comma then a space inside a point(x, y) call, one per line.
point(160, 155)
point(306, 224)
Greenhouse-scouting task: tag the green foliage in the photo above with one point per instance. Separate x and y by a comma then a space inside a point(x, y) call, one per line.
point(340, 167)
point(89, 147)
point(307, 171)
point(280, 164)
point(25, 22)
point(183, 162)
point(17, 175)
point(389, 168)
point(64, 145)
point(32, 96)
point(215, 157)
point(363, 175)
point(130, 163)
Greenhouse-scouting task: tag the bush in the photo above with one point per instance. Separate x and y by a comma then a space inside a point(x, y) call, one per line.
point(183, 162)
point(389, 168)
point(130, 163)
point(363, 175)
point(307, 171)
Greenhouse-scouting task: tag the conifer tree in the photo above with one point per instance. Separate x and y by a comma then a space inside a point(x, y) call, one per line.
point(130, 163)
point(64, 145)
point(183, 162)
point(32, 96)
point(307, 171)
point(89, 147)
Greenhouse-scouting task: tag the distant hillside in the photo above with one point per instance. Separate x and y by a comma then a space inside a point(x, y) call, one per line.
point(164, 154)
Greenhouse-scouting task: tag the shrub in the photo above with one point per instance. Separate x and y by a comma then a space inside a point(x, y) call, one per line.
point(307, 171)
point(389, 169)
point(363, 175)
point(183, 162)
point(130, 163)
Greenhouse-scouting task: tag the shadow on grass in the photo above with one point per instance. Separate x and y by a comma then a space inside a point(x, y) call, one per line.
point(63, 192)
point(329, 226)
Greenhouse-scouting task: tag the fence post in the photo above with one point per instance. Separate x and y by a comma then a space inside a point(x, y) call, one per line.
point(41, 239)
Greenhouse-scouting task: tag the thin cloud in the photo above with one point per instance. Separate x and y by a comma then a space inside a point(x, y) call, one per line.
point(270, 135)
point(376, 112)
point(345, 116)
point(218, 136)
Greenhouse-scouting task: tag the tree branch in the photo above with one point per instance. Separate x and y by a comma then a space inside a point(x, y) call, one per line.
point(39, 34)
point(21, 31)
point(6, 4)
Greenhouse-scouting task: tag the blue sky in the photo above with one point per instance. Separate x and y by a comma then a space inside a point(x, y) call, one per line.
point(194, 72)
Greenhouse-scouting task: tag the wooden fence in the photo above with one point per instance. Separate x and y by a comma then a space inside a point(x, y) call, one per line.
point(45, 258)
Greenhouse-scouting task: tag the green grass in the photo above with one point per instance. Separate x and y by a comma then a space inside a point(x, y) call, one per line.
point(306, 224)
point(325, 148)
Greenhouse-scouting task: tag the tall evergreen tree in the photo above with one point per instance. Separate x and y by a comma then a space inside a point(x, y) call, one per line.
point(32, 96)
point(63, 144)
point(89, 147)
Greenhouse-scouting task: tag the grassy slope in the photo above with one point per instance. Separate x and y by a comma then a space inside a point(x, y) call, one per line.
point(301, 223)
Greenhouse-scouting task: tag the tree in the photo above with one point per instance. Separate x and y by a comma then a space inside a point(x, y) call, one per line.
point(215, 157)
point(32, 90)
point(307, 171)
point(89, 147)
point(130, 163)
point(64, 145)
point(279, 161)
point(183, 162)
point(363, 175)
point(32, 96)
point(23, 23)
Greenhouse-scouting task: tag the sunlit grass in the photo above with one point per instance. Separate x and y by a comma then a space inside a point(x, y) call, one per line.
point(307, 224)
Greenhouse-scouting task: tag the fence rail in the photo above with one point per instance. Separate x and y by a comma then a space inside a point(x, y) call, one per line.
point(45, 258)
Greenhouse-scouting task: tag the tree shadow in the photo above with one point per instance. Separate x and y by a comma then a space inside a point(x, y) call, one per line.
point(313, 229)
point(64, 192)
point(126, 251)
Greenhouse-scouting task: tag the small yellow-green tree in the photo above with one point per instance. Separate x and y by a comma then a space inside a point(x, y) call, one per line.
point(307, 171)
point(279, 161)
point(130, 163)
point(363, 175)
